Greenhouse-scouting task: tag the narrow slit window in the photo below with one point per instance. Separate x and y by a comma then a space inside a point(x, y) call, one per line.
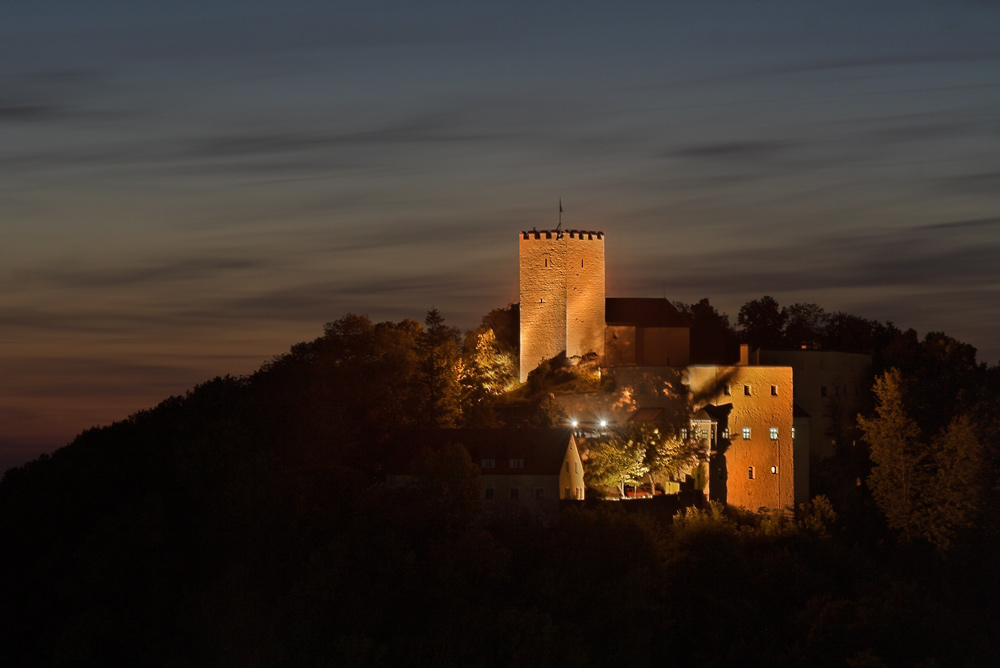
point(750, 473)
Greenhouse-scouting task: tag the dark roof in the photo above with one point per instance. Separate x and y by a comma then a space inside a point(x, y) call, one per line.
point(542, 450)
point(642, 312)
point(646, 415)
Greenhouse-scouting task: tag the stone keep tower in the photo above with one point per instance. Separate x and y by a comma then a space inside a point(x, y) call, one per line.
point(562, 295)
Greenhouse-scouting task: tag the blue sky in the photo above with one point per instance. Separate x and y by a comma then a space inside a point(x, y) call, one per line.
point(187, 189)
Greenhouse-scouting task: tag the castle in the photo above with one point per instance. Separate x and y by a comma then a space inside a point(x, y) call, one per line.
point(743, 411)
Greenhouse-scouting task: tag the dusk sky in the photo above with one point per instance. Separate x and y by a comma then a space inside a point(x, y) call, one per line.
point(189, 188)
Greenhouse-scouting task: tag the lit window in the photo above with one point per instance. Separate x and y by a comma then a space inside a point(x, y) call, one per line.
point(774, 433)
point(750, 473)
point(684, 433)
point(746, 390)
point(793, 433)
point(513, 493)
point(746, 433)
point(725, 433)
point(488, 464)
point(517, 463)
point(703, 433)
point(774, 469)
point(539, 493)
point(774, 390)
point(488, 493)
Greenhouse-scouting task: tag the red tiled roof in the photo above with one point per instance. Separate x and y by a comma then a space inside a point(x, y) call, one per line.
point(642, 312)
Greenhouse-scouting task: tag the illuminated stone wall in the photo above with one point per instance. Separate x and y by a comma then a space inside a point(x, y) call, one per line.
point(753, 405)
point(562, 295)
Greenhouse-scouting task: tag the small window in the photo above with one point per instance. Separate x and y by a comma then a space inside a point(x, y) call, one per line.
point(684, 433)
point(513, 493)
point(703, 434)
point(726, 391)
point(774, 469)
point(488, 493)
point(774, 390)
point(542, 300)
point(539, 493)
point(546, 262)
point(517, 463)
point(793, 433)
point(576, 465)
point(581, 264)
point(725, 433)
point(746, 390)
point(774, 433)
point(488, 464)
point(746, 433)
point(750, 473)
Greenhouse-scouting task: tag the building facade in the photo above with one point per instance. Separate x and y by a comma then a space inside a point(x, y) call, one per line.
point(562, 295)
point(644, 345)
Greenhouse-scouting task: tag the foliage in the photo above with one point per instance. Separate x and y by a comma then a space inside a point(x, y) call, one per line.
point(901, 476)
point(439, 372)
point(762, 322)
point(619, 458)
point(925, 489)
point(244, 523)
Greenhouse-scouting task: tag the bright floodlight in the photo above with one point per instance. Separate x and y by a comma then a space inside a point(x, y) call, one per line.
point(573, 422)
point(603, 423)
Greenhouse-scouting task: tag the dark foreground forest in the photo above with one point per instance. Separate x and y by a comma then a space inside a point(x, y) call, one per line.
point(245, 523)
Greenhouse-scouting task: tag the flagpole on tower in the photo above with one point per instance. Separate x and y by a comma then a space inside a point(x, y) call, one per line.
point(560, 211)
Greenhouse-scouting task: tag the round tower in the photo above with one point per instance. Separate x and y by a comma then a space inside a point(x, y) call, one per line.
point(562, 295)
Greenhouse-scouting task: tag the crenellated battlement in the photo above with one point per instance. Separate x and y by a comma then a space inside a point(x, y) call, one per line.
point(583, 235)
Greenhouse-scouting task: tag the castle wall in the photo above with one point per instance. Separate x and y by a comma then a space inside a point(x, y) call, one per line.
point(585, 293)
point(830, 386)
point(562, 295)
point(759, 472)
point(665, 346)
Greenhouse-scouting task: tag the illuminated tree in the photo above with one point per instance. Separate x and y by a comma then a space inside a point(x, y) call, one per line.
point(925, 489)
point(673, 455)
point(958, 455)
point(901, 475)
point(620, 458)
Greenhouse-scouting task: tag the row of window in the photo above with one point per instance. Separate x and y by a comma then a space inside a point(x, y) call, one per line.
point(514, 493)
point(492, 463)
point(773, 432)
point(748, 390)
point(515, 464)
point(774, 471)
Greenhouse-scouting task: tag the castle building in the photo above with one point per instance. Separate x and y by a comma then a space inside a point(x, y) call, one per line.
point(644, 346)
point(562, 295)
